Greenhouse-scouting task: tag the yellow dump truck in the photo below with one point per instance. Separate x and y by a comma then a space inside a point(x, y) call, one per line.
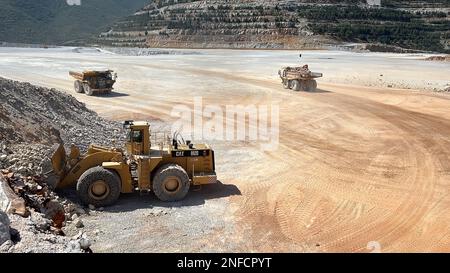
point(102, 174)
point(90, 81)
point(299, 78)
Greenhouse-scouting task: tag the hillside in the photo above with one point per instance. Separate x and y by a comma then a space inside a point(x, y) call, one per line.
point(421, 25)
point(56, 22)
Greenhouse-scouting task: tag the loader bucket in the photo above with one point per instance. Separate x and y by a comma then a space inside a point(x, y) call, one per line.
point(59, 159)
point(58, 164)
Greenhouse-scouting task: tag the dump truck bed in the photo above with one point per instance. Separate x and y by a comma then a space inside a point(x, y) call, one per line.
point(298, 75)
point(77, 75)
point(295, 75)
point(87, 74)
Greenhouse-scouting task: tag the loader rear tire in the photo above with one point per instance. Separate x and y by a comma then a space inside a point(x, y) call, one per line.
point(87, 89)
point(171, 183)
point(78, 85)
point(296, 85)
point(99, 187)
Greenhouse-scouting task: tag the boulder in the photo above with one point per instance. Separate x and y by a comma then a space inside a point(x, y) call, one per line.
point(4, 228)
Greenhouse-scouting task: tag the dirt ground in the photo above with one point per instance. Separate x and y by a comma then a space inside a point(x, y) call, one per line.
point(358, 168)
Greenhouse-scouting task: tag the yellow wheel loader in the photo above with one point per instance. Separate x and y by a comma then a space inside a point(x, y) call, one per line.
point(102, 174)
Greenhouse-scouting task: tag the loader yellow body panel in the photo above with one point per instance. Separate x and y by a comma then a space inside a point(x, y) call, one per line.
point(123, 170)
point(90, 160)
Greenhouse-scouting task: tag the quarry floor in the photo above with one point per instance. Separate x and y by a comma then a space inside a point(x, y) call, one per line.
point(361, 165)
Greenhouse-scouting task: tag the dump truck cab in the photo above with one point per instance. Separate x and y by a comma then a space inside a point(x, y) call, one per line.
point(168, 169)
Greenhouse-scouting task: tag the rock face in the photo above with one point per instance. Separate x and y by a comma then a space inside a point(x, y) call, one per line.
point(282, 24)
point(4, 228)
point(214, 24)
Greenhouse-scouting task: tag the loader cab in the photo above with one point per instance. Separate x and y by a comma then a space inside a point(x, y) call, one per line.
point(138, 137)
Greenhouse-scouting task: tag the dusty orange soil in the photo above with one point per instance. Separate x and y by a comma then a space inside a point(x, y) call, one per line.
point(354, 165)
point(352, 169)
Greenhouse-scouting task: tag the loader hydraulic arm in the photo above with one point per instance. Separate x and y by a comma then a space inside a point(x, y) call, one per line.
point(68, 170)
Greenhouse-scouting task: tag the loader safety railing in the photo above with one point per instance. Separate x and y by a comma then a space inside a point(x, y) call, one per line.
point(161, 140)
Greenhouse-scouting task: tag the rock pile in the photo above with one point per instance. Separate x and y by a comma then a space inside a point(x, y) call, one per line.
point(32, 114)
point(445, 58)
point(27, 237)
point(25, 159)
point(32, 120)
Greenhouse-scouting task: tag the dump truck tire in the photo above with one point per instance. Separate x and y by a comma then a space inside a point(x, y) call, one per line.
point(304, 85)
point(296, 85)
point(78, 85)
point(286, 84)
point(313, 85)
point(310, 85)
point(171, 183)
point(87, 89)
point(99, 187)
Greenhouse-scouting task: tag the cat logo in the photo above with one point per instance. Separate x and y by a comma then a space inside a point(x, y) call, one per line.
point(193, 153)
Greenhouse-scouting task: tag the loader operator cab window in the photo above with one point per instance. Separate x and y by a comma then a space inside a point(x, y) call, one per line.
point(136, 136)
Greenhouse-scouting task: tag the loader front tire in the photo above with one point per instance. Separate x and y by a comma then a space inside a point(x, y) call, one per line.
point(286, 84)
point(99, 187)
point(87, 89)
point(78, 85)
point(171, 183)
